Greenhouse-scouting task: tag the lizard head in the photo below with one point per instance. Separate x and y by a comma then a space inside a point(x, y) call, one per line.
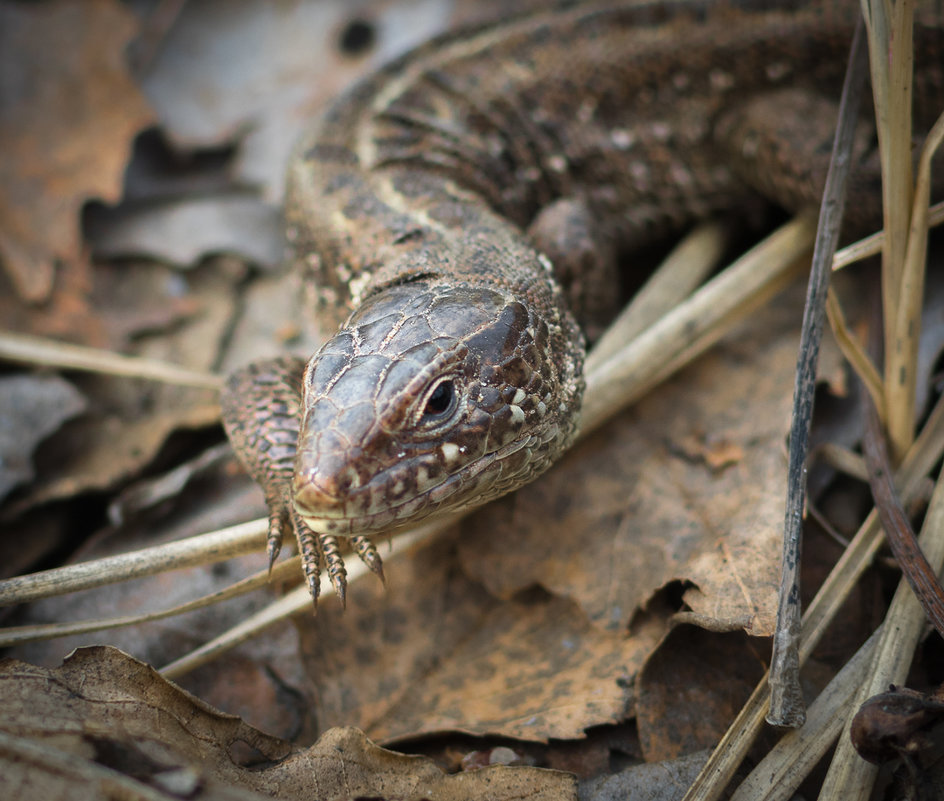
point(431, 399)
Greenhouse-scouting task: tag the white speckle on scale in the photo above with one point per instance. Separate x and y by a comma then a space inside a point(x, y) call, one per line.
point(557, 163)
point(622, 138)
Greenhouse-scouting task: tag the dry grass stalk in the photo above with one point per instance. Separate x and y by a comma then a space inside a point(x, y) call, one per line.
point(892, 59)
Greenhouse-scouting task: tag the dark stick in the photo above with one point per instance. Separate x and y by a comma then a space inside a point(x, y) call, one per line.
point(786, 700)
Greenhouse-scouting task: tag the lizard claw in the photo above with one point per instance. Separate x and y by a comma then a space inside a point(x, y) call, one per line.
point(367, 551)
point(274, 537)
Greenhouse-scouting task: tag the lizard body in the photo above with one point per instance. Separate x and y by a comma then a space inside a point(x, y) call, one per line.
point(466, 207)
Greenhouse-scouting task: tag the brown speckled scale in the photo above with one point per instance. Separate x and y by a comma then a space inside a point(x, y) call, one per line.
point(463, 212)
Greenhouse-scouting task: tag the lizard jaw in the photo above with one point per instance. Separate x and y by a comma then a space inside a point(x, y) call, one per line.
point(328, 513)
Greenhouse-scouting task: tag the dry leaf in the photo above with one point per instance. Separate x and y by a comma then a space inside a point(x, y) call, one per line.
point(717, 452)
point(103, 708)
point(691, 689)
point(629, 510)
point(343, 764)
point(266, 71)
point(129, 422)
point(68, 113)
point(659, 781)
point(182, 231)
point(261, 681)
point(98, 454)
point(433, 653)
point(101, 702)
point(134, 300)
point(33, 407)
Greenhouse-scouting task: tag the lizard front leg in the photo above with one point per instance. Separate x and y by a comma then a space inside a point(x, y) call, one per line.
point(261, 405)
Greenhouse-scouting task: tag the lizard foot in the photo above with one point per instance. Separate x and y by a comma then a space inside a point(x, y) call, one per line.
point(322, 549)
point(317, 551)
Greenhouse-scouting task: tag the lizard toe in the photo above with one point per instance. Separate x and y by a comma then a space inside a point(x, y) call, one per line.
point(336, 570)
point(310, 550)
point(367, 551)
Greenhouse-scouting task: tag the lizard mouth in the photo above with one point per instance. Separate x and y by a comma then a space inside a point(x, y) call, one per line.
point(470, 486)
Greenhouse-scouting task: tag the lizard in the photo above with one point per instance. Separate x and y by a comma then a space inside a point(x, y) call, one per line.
point(464, 212)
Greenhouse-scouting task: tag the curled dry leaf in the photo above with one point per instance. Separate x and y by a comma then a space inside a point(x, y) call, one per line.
point(103, 452)
point(101, 706)
point(182, 231)
point(110, 722)
point(344, 764)
point(129, 422)
point(896, 723)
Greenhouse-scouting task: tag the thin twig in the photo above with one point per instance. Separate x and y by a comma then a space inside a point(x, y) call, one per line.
point(783, 768)
point(891, 59)
point(872, 245)
point(288, 570)
point(854, 352)
point(24, 349)
point(901, 537)
point(292, 603)
point(688, 265)
point(907, 320)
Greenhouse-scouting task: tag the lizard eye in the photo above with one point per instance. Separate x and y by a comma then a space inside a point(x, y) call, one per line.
point(440, 403)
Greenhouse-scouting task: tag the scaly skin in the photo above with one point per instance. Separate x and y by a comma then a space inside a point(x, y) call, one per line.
point(432, 200)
